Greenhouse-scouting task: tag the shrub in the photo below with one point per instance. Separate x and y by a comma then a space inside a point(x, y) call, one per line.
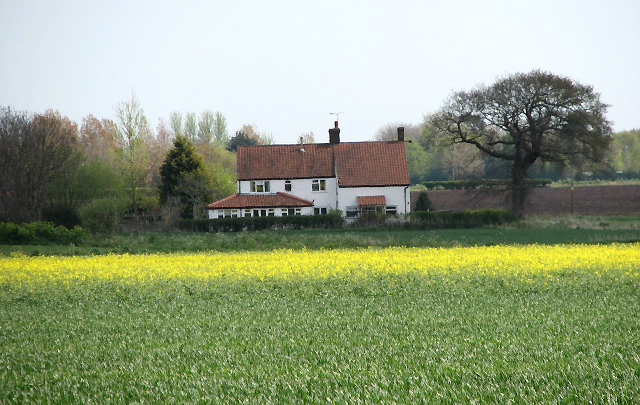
point(331, 220)
point(371, 219)
point(102, 215)
point(36, 233)
point(61, 215)
point(459, 219)
point(423, 203)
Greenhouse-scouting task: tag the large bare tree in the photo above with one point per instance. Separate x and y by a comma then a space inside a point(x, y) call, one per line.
point(34, 150)
point(527, 117)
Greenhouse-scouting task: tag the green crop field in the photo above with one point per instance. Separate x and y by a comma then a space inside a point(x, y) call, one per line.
point(445, 325)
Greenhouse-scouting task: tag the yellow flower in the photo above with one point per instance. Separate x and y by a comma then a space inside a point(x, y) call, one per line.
point(518, 262)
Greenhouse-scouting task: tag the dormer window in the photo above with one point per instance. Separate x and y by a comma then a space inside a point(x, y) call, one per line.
point(260, 186)
point(318, 185)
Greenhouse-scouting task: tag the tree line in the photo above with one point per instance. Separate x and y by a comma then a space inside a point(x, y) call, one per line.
point(101, 170)
point(432, 157)
point(535, 124)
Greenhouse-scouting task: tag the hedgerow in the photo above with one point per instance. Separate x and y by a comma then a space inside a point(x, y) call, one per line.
point(37, 233)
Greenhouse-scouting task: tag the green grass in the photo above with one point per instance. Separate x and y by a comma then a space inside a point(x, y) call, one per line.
point(403, 340)
point(587, 230)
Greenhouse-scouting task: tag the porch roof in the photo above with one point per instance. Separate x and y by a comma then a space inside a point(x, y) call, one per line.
point(372, 200)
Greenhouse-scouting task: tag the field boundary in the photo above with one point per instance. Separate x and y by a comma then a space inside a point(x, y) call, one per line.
point(551, 201)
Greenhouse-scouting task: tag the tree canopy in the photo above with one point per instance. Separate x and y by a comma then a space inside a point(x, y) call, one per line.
point(527, 117)
point(183, 177)
point(34, 151)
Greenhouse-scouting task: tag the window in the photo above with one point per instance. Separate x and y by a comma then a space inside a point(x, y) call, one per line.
point(228, 214)
point(260, 213)
point(247, 213)
point(290, 211)
point(318, 185)
point(287, 185)
point(319, 211)
point(351, 211)
point(391, 209)
point(271, 212)
point(260, 186)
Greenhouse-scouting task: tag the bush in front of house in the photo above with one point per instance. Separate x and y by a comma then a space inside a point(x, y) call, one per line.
point(37, 233)
point(331, 220)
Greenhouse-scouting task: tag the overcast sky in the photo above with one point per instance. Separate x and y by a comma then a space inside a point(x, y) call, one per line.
point(285, 65)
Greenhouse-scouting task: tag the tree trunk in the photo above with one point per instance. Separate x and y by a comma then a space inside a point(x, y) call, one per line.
point(519, 186)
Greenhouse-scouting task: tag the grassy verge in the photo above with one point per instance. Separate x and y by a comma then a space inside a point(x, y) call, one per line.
point(404, 339)
point(588, 230)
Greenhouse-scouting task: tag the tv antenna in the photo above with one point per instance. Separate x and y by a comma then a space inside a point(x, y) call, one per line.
point(337, 114)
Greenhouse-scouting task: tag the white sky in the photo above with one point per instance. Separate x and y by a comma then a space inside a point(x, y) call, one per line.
point(284, 65)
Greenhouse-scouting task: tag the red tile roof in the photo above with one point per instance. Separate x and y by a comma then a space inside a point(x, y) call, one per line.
point(367, 201)
point(259, 201)
point(357, 164)
point(285, 162)
point(371, 164)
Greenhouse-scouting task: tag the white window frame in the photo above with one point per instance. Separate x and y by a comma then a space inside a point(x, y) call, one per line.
point(228, 213)
point(260, 186)
point(318, 185)
point(259, 212)
point(352, 211)
point(319, 210)
point(291, 211)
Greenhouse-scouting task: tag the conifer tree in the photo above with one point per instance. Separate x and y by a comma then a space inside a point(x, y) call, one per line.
point(183, 178)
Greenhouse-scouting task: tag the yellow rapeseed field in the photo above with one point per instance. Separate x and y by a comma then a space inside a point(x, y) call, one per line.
point(526, 263)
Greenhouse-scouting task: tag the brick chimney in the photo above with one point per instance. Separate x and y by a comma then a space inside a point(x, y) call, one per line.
point(400, 134)
point(334, 134)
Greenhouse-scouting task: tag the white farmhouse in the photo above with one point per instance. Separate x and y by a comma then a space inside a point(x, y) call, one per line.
point(311, 179)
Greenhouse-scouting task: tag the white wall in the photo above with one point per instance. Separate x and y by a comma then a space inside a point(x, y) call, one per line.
point(301, 188)
point(333, 197)
point(347, 196)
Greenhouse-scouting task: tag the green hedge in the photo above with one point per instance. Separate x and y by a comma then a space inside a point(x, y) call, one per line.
point(475, 184)
point(332, 220)
point(38, 233)
point(459, 219)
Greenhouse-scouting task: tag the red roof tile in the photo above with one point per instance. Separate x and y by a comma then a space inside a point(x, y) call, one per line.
point(367, 201)
point(357, 164)
point(285, 162)
point(362, 164)
point(259, 201)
